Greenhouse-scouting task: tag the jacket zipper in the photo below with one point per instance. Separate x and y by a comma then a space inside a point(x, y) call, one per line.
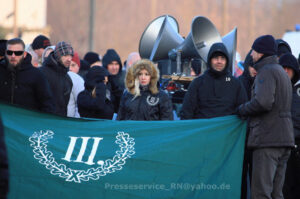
point(13, 83)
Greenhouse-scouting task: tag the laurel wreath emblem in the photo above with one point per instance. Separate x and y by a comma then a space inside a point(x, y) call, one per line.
point(39, 142)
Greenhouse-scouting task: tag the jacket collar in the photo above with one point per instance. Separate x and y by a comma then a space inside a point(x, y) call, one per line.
point(267, 60)
point(55, 65)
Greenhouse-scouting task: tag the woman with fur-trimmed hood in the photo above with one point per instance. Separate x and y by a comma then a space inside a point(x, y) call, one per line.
point(142, 100)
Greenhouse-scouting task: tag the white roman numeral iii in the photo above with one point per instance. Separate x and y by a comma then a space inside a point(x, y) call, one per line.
point(82, 149)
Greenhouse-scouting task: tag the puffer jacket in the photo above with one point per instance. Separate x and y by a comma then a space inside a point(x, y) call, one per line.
point(145, 102)
point(145, 107)
point(270, 106)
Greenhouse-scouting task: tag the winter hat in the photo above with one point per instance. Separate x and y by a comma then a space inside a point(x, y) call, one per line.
point(2, 47)
point(265, 44)
point(76, 59)
point(91, 57)
point(110, 56)
point(282, 47)
point(94, 76)
point(40, 41)
point(196, 65)
point(62, 49)
point(290, 61)
point(131, 79)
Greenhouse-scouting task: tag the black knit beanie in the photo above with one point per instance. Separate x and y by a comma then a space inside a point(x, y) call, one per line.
point(265, 44)
point(40, 41)
point(91, 57)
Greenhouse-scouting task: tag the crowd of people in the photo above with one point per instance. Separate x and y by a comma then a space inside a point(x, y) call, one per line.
point(53, 79)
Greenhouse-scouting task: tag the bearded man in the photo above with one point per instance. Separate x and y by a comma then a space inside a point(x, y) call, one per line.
point(20, 82)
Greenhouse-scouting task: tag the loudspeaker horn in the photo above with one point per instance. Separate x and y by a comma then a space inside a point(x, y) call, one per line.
point(230, 41)
point(167, 39)
point(198, 42)
point(151, 32)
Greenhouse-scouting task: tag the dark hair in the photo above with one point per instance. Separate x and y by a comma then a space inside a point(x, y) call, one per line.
point(15, 41)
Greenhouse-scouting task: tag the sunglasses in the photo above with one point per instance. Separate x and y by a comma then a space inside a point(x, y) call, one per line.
point(17, 53)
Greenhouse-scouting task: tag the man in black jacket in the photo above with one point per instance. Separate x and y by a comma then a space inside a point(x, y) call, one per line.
point(112, 62)
point(3, 165)
point(215, 93)
point(271, 129)
point(20, 82)
point(55, 68)
point(292, 175)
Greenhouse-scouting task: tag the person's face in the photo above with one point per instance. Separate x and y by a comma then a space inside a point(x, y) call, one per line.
point(252, 71)
point(256, 56)
point(11, 51)
point(66, 60)
point(113, 68)
point(289, 71)
point(218, 63)
point(74, 67)
point(34, 59)
point(144, 77)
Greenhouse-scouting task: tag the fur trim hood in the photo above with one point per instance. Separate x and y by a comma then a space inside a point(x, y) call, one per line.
point(132, 77)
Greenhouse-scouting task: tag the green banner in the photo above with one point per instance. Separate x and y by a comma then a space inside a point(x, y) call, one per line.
point(53, 157)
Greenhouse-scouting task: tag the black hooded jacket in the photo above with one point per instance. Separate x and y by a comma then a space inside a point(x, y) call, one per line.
point(60, 83)
point(245, 78)
point(25, 86)
point(116, 81)
point(288, 60)
point(215, 93)
point(101, 106)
